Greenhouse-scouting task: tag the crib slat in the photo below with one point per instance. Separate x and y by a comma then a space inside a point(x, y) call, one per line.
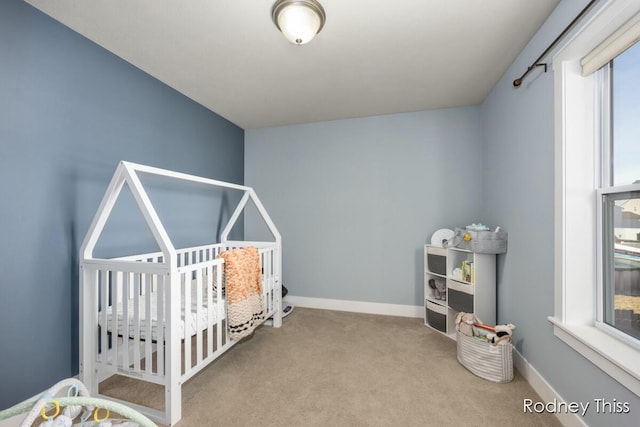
point(263, 280)
point(148, 294)
point(272, 284)
point(136, 322)
point(161, 283)
point(274, 275)
point(199, 325)
point(270, 281)
point(125, 320)
point(104, 301)
point(115, 300)
point(186, 314)
point(266, 274)
point(209, 290)
point(264, 277)
point(220, 306)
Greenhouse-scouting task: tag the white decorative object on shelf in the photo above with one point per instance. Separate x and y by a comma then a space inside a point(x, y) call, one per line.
point(441, 236)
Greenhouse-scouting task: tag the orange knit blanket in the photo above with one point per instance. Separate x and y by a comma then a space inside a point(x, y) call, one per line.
point(243, 282)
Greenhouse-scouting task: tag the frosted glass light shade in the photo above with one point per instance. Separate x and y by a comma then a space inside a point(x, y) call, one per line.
point(299, 20)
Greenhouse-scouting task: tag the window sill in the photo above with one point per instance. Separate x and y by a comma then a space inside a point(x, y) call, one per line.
point(614, 357)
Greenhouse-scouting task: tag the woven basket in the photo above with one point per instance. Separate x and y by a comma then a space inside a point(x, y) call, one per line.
point(493, 362)
point(481, 242)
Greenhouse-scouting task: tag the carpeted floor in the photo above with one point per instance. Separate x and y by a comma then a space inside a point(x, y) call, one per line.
point(329, 368)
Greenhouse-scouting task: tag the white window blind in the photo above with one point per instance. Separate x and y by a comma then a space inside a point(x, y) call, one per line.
point(613, 46)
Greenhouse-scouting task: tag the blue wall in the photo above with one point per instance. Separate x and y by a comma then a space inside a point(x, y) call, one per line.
point(355, 200)
point(69, 111)
point(368, 191)
point(519, 195)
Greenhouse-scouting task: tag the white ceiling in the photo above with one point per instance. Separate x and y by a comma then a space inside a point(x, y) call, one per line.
point(372, 57)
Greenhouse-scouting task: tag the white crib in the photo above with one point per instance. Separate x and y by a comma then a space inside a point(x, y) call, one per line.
point(141, 315)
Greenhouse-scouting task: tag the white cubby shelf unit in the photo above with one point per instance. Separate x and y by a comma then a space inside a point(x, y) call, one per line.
point(474, 292)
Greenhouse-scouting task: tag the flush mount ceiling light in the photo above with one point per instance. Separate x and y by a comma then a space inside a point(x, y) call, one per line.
point(298, 20)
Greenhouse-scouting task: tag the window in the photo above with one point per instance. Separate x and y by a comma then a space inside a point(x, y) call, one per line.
point(596, 164)
point(619, 197)
point(621, 262)
point(625, 94)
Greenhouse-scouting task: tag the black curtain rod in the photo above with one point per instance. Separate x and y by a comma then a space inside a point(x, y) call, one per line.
point(517, 82)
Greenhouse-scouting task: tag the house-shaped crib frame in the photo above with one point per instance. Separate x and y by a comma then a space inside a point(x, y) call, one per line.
point(161, 317)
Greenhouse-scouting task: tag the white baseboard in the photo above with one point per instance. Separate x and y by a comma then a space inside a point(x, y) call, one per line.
point(544, 389)
point(357, 306)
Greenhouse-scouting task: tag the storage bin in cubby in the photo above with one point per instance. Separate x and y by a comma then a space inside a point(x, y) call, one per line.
point(460, 296)
point(437, 260)
point(436, 315)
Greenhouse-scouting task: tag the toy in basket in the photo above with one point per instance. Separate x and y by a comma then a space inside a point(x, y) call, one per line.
point(484, 350)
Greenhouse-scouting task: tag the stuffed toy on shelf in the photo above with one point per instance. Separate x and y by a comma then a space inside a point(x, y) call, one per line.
point(439, 288)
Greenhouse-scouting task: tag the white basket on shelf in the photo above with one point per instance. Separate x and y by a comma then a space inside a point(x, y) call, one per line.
point(491, 361)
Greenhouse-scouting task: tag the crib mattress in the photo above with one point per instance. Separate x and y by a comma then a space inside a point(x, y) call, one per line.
point(188, 325)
